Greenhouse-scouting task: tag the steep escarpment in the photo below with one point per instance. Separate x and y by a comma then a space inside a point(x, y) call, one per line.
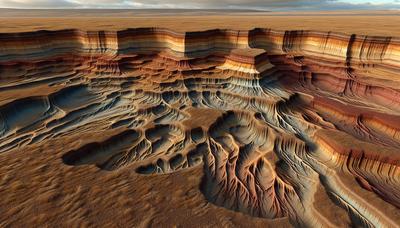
point(288, 124)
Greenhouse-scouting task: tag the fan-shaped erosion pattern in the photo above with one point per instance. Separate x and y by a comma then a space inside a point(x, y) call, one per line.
point(296, 124)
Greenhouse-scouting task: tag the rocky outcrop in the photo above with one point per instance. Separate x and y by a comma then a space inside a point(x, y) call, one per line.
point(285, 124)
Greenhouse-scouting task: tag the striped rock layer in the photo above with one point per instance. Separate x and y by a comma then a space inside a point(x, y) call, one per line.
point(290, 124)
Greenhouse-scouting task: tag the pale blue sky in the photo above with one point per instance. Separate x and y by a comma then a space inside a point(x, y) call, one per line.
point(375, 1)
point(276, 5)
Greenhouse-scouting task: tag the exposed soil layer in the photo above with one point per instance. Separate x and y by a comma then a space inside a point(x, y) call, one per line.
point(247, 126)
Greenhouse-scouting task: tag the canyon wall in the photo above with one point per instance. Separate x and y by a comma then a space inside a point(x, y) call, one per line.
point(290, 124)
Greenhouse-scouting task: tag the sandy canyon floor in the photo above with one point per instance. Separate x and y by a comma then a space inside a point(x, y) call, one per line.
point(199, 119)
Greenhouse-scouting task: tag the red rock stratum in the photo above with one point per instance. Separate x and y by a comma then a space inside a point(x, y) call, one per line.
point(303, 125)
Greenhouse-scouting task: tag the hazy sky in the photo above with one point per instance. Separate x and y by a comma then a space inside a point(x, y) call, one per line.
point(224, 4)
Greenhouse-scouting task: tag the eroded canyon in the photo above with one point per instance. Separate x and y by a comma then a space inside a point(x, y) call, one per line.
point(302, 125)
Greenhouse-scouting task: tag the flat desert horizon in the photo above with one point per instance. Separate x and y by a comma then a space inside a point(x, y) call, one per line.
point(199, 118)
point(375, 23)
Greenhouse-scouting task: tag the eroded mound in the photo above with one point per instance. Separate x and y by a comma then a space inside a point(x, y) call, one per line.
point(285, 124)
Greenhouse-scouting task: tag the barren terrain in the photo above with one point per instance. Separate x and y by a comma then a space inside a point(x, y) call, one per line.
point(128, 120)
point(377, 23)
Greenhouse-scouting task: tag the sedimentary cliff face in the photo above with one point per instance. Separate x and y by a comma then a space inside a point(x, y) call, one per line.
point(290, 124)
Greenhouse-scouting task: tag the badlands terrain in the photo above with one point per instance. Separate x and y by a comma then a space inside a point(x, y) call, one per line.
point(204, 120)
